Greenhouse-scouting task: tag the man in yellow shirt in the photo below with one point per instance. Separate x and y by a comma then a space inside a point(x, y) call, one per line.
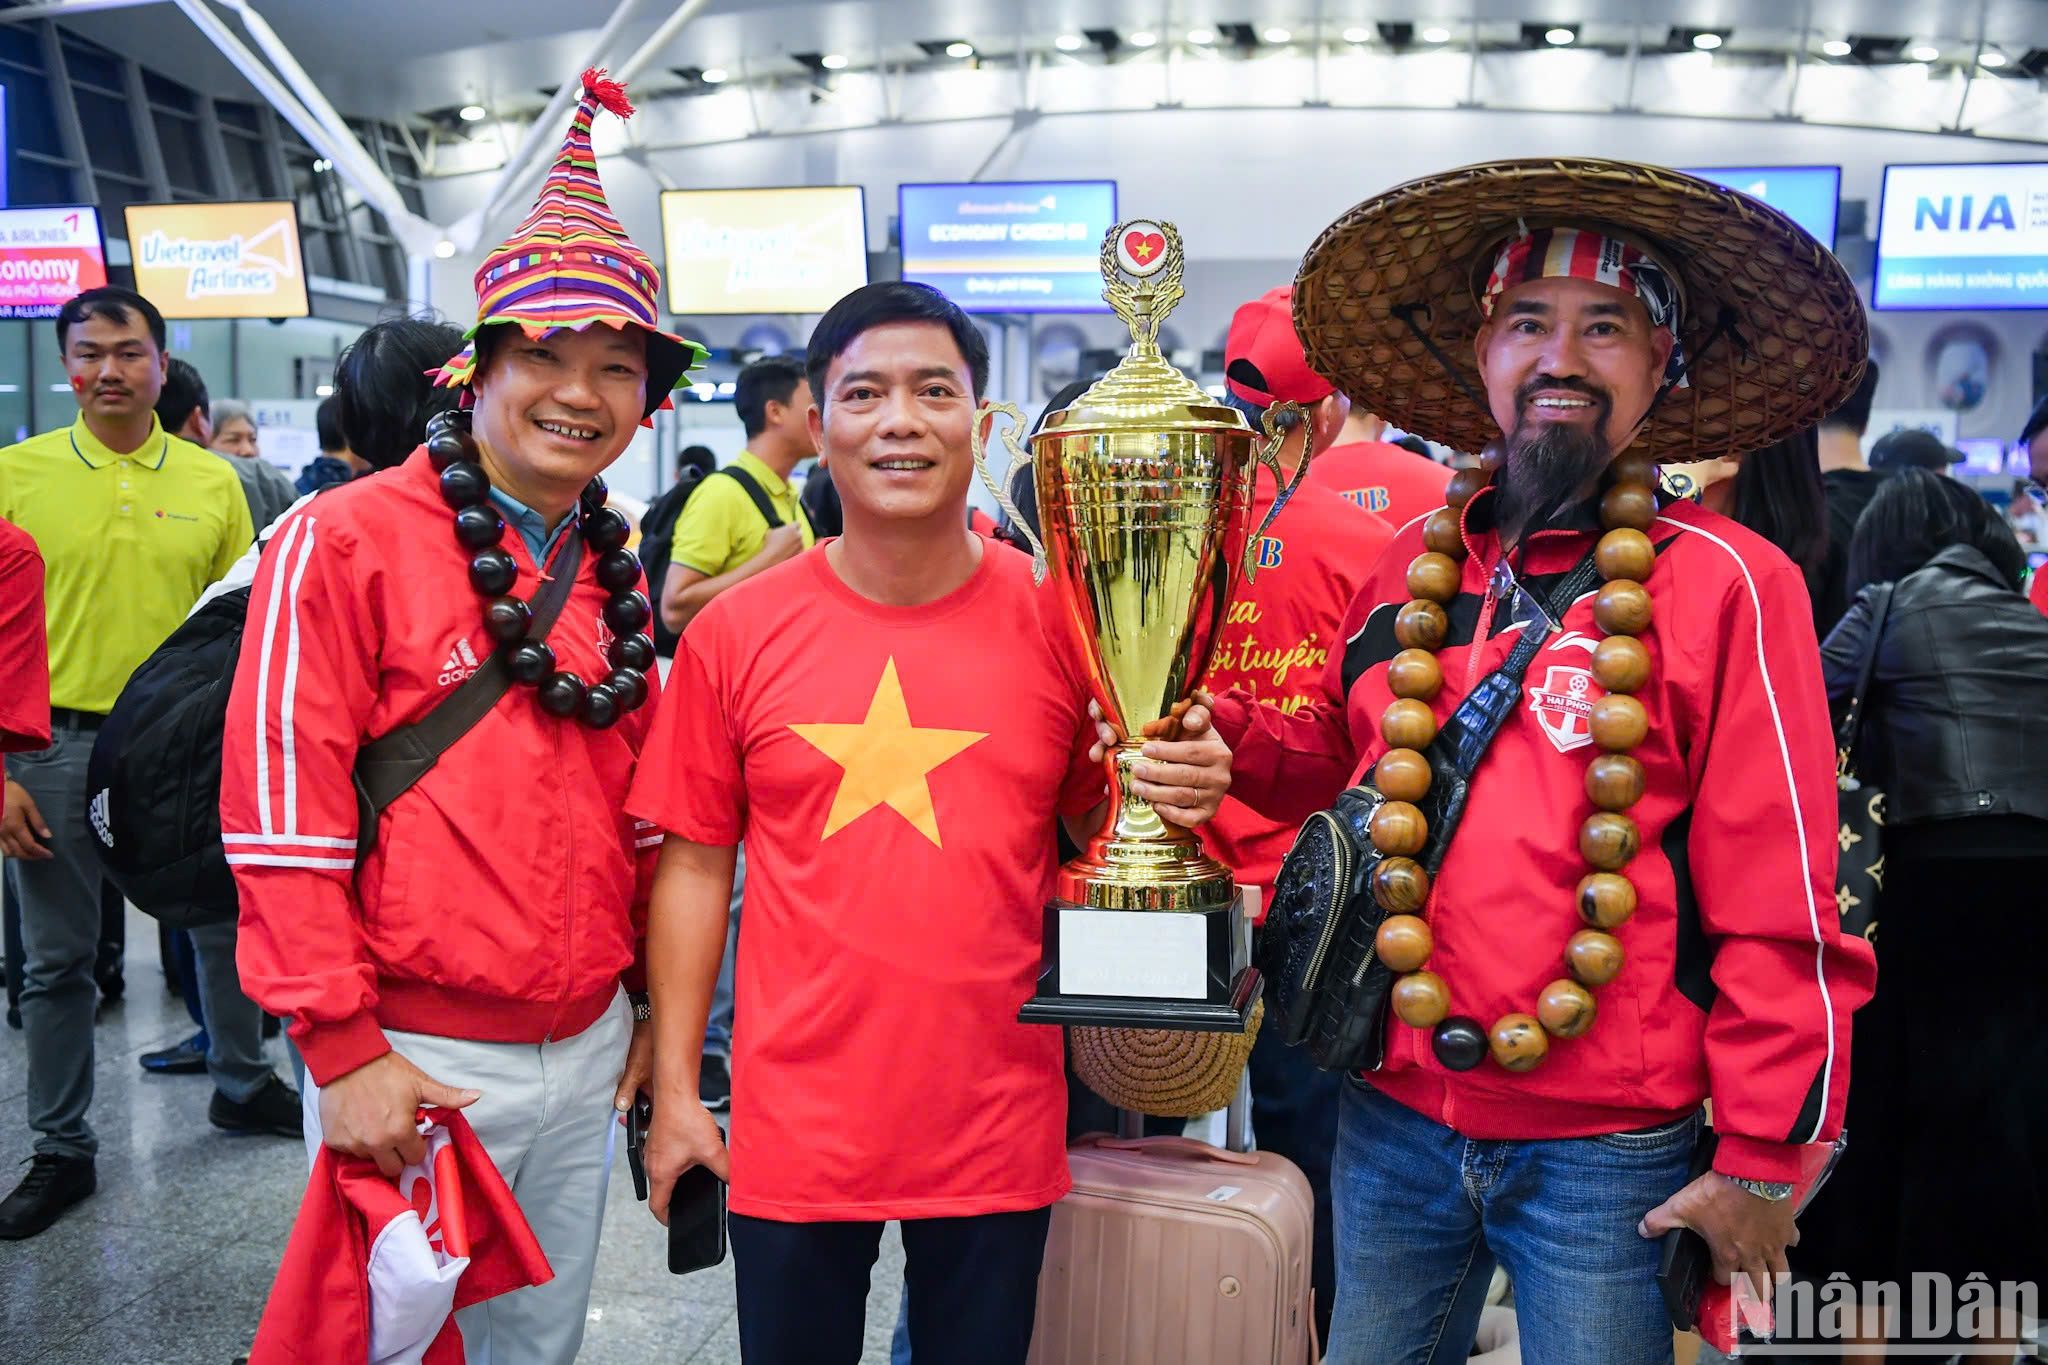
point(726, 533)
point(742, 519)
point(133, 524)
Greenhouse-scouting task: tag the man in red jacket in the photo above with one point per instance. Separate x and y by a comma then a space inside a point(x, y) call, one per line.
point(474, 947)
point(1519, 1117)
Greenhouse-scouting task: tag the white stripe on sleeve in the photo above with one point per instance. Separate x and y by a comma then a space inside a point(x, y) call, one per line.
point(1798, 819)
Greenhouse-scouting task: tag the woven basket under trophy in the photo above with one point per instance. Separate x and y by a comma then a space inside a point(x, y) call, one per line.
point(1160, 1071)
point(1803, 335)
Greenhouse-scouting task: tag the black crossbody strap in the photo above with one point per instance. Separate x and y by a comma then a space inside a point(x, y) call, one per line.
point(758, 494)
point(1852, 719)
point(391, 763)
point(1472, 727)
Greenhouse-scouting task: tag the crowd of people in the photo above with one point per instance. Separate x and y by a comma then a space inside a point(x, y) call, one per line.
point(846, 707)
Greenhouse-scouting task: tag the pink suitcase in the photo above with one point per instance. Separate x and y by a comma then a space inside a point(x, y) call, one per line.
point(1171, 1252)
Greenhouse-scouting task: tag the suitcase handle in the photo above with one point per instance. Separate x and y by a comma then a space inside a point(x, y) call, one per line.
point(1185, 1146)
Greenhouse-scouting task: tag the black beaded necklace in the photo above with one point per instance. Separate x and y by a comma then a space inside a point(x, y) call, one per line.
point(492, 572)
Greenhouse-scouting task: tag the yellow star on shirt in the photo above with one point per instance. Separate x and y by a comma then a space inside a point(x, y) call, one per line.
point(886, 760)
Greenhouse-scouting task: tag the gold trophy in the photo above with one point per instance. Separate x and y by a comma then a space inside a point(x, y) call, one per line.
point(1145, 492)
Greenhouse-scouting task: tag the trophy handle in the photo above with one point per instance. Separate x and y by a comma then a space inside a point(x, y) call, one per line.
point(1269, 456)
point(1018, 456)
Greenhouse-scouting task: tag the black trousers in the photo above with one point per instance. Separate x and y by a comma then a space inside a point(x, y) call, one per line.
point(973, 1283)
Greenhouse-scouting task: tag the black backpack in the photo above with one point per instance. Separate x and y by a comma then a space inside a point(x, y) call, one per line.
point(658, 538)
point(657, 543)
point(153, 781)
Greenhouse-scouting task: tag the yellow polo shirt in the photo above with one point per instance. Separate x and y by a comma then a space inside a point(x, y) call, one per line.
point(721, 529)
point(128, 542)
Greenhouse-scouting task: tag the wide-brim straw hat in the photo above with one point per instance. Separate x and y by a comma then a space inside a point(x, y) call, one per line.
point(1796, 351)
point(1168, 1072)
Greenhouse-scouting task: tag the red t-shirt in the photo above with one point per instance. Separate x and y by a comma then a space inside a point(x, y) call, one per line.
point(895, 772)
point(1395, 484)
point(24, 644)
point(2038, 589)
point(1277, 640)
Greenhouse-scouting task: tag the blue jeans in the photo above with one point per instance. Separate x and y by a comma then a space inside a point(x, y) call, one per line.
point(1423, 1215)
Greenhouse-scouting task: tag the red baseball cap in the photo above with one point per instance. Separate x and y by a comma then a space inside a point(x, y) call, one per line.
point(1263, 362)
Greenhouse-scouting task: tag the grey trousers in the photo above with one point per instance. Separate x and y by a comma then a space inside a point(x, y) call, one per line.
point(234, 1022)
point(718, 1028)
point(60, 934)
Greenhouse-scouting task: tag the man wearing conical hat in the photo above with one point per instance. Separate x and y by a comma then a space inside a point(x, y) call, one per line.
point(1636, 912)
point(470, 938)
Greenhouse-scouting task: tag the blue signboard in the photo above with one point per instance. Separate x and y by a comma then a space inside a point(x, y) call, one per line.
point(1967, 236)
point(1810, 196)
point(1009, 246)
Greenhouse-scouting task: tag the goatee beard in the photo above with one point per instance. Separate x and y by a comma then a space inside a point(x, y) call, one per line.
point(1544, 472)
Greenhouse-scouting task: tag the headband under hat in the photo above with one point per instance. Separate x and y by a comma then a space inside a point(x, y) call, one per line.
point(1584, 253)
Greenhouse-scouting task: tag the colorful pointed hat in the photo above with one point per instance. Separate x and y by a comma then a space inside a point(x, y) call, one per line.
point(570, 264)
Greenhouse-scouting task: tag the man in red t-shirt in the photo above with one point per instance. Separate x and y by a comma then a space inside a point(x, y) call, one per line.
point(1385, 479)
point(891, 721)
point(1276, 644)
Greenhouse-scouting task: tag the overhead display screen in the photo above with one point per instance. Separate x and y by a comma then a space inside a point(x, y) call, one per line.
point(1969, 236)
point(1009, 246)
point(763, 251)
point(46, 256)
point(1810, 196)
point(234, 260)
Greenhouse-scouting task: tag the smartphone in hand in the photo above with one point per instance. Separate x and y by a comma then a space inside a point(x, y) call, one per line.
point(696, 1221)
point(696, 1207)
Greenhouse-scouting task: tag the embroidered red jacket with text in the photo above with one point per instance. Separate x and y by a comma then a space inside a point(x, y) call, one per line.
point(502, 901)
point(1737, 983)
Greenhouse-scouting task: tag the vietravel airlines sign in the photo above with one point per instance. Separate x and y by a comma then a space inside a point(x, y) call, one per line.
point(1964, 236)
point(219, 260)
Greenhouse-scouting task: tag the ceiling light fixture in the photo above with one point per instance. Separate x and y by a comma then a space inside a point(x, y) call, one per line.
point(1201, 37)
point(470, 113)
point(713, 75)
point(1434, 34)
point(323, 390)
point(1070, 42)
point(1560, 36)
point(960, 49)
point(1357, 35)
point(1706, 42)
point(1925, 52)
point(1994, 60)
point(444, 248)
point(1836, 47)
point(1144, 37)
point(833, 61)
point(1276, 35)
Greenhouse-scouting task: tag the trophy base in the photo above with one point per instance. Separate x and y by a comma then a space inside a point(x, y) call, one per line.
point(1187, 971)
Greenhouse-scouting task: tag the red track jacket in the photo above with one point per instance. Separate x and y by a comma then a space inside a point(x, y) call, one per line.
point(501, 901)
point(1737, 983)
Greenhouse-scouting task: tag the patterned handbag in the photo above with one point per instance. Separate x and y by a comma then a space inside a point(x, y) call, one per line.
point(1859, 878)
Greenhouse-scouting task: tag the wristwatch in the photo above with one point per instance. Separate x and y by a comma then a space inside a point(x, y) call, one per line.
point(1771, 1191)
point(643, 1009)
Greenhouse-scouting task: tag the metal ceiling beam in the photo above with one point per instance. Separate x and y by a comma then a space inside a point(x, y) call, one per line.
point(338, 146)
point(541, 135)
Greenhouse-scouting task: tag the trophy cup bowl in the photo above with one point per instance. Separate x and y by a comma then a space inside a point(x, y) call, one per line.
point(1145, 494)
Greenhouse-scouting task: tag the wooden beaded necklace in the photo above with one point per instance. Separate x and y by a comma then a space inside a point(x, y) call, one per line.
point(1608, 838)
point(466, 488)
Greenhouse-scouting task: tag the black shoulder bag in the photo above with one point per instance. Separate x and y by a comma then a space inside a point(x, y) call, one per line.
point(388, 765)
point(1859, 876)
point(1325, 984)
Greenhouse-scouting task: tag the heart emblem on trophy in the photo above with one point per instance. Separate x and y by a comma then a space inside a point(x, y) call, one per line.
point(1143, 249)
